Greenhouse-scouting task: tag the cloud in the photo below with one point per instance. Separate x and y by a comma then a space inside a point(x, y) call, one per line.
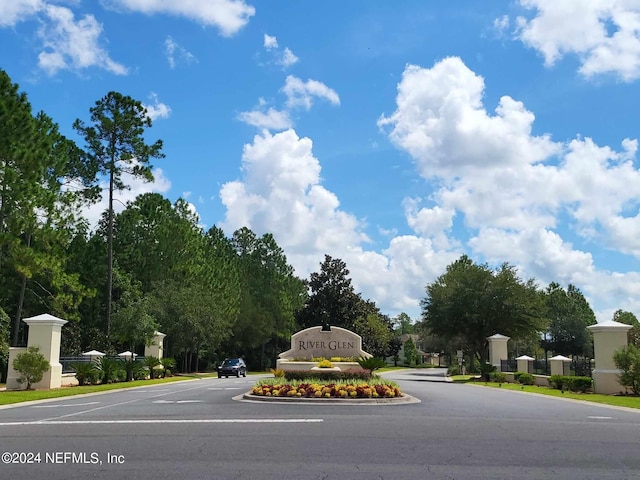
point(283, 58)
point(137, 186)
point(281, 192)
point(270, 119)
point(15, 11)
point(510, 190)
point(287, 59)
point(172, 49)
point(73, 44)
point(270, 42)
point(229, 16)
point(603, 34)
point(301, 94)
point(157, 109)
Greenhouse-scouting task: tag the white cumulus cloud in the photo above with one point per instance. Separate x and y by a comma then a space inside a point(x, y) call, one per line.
point(157, 109)
point(73, 44)
point(174, 52)
point(302, 94)
point(14, 11)
point(229, 16)
point(603, 34)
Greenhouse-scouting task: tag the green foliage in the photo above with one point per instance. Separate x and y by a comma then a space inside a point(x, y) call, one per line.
point(86, 373)
point(526, 379)
point(453, 370)
point(31, 365)
point(326, 375)
point(486, 369)
point(471, 302)
point(569, 316)
point(371, 363)
point(324, 363)
point(410, 352)
point(151, 363)
point(498, 377)
point(403, 324)
point(572, 383)
point(277, 372)
point(110, 368)
point(627, 359)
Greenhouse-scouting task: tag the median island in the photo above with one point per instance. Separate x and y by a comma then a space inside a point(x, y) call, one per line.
point(325, 363)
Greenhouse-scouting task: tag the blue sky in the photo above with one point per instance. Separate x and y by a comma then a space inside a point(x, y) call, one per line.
point(393, 135)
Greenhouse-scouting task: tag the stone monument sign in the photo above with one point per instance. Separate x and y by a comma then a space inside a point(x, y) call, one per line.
point(324, 342)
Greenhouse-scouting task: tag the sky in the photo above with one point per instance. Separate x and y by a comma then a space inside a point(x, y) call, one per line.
point(396, 136)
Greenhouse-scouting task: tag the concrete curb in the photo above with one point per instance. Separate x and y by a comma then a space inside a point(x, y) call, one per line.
point(404, 400)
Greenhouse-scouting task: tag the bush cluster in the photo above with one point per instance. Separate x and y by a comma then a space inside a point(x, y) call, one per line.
point(574, 384)
point(525, 378)
point(498, 377)
point(330, 390)
point(327, 375)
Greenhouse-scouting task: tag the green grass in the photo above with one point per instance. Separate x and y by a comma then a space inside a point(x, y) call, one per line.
point(615, 400)
point(17, 396)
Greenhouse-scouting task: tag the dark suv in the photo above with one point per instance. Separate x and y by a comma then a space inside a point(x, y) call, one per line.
point(232, 366)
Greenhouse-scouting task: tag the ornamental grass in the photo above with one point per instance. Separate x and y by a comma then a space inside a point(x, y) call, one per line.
point(301, 389)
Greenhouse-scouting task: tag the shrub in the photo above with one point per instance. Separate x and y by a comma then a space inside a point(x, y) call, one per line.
point(86, 373)
point(326, 375)
point(109, 367)
point(516, 375)
point(453, 370)
point(486, 370)
point(277, 372)
point(169, 364)
point(151, 363)
point(627, 359)
point(371, 363)
point(580, 384)
point(31, 365)
point(498, 377)
point(557, 381)
point(525, 379)
point(324, 363)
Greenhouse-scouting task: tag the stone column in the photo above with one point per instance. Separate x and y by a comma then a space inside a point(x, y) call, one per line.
point(524, 361)
point(497, 349)
point(607, 338)
point(157, 347)
point(45, 332)
point(557, 364)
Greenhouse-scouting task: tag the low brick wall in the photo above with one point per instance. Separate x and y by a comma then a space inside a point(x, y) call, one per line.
point(539, 380)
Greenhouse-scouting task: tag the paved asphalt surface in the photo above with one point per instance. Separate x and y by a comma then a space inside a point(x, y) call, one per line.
point(197, 430)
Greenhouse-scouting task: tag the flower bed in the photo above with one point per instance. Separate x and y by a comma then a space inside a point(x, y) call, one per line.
point(327, 390)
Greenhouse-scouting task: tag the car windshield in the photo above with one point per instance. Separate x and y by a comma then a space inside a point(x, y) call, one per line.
point(229, 363)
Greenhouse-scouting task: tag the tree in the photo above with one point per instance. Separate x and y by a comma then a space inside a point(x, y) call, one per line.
point(471, 302)
point(410, 352)
point(332, 299)
point(375, 332)
point(569, 316)
point(4, 344)
point(628, 318)
point(627, 359)
point(403, 324)
point(31, 365)
point(115, 146)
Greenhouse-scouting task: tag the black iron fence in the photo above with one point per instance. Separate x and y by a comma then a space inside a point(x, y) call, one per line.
point(581, 367)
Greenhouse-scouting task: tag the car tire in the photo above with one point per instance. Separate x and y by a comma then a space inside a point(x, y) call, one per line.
point(238, 374)
point(219, 376)
point(244, 374)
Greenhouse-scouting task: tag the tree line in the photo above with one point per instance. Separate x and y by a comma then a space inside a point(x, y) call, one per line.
point(150, 267)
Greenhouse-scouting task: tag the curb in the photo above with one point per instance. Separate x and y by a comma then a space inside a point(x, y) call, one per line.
point(404, 400)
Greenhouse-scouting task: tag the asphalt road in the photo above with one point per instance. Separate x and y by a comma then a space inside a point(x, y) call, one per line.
point(197, 430)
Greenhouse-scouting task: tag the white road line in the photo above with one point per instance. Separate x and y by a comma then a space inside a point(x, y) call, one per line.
point(225, 388)
point(177, 401)
point(65, 405)
point(161, 421)
point(595, 417)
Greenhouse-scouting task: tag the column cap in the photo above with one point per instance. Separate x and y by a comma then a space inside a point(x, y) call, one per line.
point(525, 357)
point(44, 319)
point(498, 336)
point(609, 326)
point(561, 357)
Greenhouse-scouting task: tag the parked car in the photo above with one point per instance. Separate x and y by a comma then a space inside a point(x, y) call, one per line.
point(232, 366)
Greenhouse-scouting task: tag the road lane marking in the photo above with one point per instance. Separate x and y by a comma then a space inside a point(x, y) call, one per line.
point(161, 421)
point(177, 401)
point(65, 405)
point(225, 388)
point(596, 417)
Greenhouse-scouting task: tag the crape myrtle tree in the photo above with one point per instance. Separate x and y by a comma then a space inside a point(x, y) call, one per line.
point(116, 146)
point(471, 302)
point(569, 315)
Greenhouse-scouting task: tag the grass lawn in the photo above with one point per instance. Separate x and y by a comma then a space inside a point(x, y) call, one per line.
point(17, 396)
point(615, 400)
